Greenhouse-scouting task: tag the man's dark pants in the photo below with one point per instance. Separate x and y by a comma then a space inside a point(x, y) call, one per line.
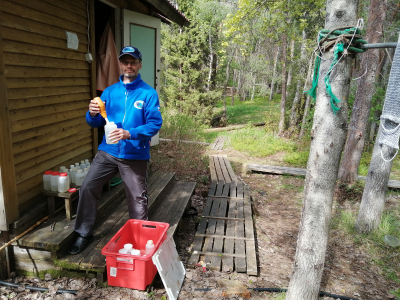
point(103, 168)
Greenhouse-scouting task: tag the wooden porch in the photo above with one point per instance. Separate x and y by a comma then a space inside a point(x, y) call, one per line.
point(44, 248)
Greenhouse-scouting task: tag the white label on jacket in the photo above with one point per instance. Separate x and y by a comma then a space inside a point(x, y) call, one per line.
point(139, 104)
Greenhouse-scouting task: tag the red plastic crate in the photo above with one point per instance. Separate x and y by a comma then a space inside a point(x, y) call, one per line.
point(139, 271)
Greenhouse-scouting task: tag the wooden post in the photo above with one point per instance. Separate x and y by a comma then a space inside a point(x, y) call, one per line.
point(8, 188)
point(92, 70)
point(4, 257)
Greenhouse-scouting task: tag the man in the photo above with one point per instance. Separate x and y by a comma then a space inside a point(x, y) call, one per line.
point(134, 106)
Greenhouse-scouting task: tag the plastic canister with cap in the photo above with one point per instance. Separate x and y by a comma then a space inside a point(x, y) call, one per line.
point(54, 181)
point(87, 163)
point(79, 177)
point(110, 126)
point(46, 180)
point(85, 171)
point(63, 183)
point(72, 173)
point(82, 165)
point(149, 246)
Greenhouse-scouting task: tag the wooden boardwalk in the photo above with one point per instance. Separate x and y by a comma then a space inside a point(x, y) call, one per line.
point(394, 184)
point(225, 236)
point(218, 143)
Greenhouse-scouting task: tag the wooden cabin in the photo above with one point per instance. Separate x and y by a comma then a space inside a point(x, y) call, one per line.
point(47, 81)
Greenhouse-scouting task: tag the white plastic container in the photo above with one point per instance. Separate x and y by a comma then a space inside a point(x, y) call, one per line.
point(149, 246)
point(79, 177)
point(85, 171)
point(77, 165)
point(128, 247)
point(82, 165)
point(72, 173)
point(123, 251)
point(63, 183)
point(46, 180)
point(54, 181)
point(87, 163)
point(63, 169)
point(135, 252)
point(110, 126)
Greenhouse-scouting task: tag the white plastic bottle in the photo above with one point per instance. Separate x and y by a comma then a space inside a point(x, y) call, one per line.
point(46, 180)
point(149, 247)
point(77, 165)
point(87, 163)
point(110, 126)
point(82, 165)
point(79, 177)
point(63, 183)
point(54, 181)
point(62, 169)
point(72, 173)
point(85, 171)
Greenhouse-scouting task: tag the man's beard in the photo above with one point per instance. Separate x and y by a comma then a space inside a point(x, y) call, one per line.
point(130, 76)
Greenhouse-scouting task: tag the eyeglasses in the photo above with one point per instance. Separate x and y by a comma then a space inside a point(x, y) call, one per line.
point(132, 63)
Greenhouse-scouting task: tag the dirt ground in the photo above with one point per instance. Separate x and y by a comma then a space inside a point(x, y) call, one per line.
point(277, 211)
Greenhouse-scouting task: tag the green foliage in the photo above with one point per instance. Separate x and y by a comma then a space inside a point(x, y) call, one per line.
point(396, 293)
point(297, 159)
point(257, 142)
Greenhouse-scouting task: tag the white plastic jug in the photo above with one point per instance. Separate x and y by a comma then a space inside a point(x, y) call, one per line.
point(54, 181)
point(149, 246)
point(63, 183)
point(79, 177)
point(110, 126)
point(46, 180)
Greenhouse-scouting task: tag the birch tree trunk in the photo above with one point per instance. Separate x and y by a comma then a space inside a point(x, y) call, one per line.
point(348, 171)
point(373, 199)
point(271, 94)
point(211, 59)
point(329, 134)
point(307, 105)
point(289, 77)
point(281, 127)
point(224, 119)
point(233, 87)
point(296, 101)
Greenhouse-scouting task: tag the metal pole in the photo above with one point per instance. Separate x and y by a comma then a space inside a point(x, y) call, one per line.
point(379, 45)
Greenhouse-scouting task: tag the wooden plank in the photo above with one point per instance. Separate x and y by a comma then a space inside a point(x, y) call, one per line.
point(158, 187)
point(213, 188)
point(8, 189)
point(28, 173)
point(208, 242)
point(37, 160)
point(276, 170)
point(153, 178)
point(54, 11)
point(213, 171)
point(223, 218)
point(69, 7)
point(26, 218)
point(38, 153)
point(174, 205)
point(17, 35)
point(72, 126)
point(30, 253)
point(225, 172)
point(232, 174)
point(229, 244)
point(99, 241)
point(48, 100)
point(240, 189)
point(212, 146)
point(13, 83)
point(27, 10)
point(251, 258)
point(22, 72)
point(42, 140)
point(220, 188)
point(80, 5)
point(219, 242)
point(218, 168)
point(220, 143)
point(233, 192)
point(34, 266)
point(42, 111)
point(26, 124)
point(222, 255)
point(43, 51)
point(8, 20)
point(20, 59)
point(201, 229)
point(219, 236)
point(225, 191)
point(240, 263)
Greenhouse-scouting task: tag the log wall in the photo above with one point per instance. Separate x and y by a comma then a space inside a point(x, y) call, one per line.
point(48, 88)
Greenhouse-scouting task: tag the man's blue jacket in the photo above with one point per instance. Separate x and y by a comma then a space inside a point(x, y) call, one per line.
point(134, 107)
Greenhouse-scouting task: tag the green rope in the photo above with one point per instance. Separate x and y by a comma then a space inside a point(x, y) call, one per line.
point(340, 36)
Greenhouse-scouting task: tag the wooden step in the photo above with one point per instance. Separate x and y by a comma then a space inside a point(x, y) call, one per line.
point(49, 246)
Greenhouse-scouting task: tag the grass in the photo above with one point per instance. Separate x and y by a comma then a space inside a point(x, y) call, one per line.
point(244, 112)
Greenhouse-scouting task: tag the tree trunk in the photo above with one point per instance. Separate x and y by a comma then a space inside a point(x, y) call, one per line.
point(348, 171)
point(296, 101)
point(211, 59)
point(281, 127)
point(271, 94)
point(228, 65)
point(329, 134)
point(233, 87)
point(373, 199)
point(289, 77)
point(307, 105)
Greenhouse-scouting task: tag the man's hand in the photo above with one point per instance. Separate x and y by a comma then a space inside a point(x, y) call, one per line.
point(94, 108)
point(119, 134)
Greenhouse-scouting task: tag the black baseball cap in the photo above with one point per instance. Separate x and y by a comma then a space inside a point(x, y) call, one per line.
point(132, 51)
